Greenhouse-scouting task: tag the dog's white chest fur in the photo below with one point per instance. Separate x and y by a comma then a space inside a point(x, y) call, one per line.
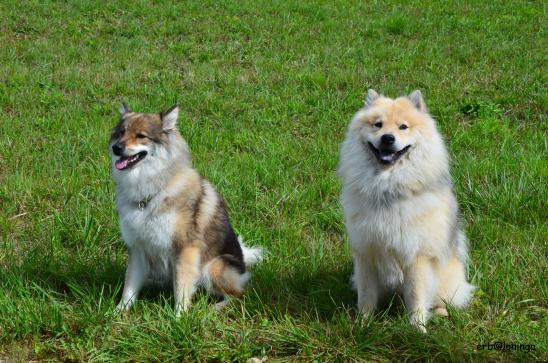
point(146, 226)
point(148, 231)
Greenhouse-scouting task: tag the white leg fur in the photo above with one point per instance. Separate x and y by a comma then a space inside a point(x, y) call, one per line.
point(136, 274)
point(367, 284)
point(419, 290)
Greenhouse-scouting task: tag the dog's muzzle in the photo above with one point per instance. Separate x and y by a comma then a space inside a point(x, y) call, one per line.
point(387, 156)
point(126, 162)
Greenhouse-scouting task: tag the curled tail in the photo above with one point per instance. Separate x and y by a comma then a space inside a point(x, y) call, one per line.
point(252, 255)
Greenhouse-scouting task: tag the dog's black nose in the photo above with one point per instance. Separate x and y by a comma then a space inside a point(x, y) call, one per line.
point(118, 149)
point(388, 139)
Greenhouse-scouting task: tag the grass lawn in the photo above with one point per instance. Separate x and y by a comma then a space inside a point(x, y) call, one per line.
point(266, 91)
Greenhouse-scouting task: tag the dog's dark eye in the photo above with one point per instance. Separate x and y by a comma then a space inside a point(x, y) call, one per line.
point(403, 127)
point(116, 134)
point(141, 136)
point(378, 124)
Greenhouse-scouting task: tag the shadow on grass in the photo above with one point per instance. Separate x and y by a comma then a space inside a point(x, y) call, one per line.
point(300, 293)
point(68, 274)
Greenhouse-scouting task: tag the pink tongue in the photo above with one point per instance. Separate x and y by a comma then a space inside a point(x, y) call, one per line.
point(121, 163)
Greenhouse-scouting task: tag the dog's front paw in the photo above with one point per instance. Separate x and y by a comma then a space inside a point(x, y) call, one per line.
point(121, 308)
point(181, 309)
point(366, 311)
point(365, 315)
point(420, 327)
point(418, 320)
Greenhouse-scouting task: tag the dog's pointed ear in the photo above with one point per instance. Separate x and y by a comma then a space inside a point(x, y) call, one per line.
point(169, 118)
point(417, 100)
point(372, 95)
point(124, 108)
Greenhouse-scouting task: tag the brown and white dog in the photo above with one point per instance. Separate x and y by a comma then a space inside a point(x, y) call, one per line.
point(174, 224)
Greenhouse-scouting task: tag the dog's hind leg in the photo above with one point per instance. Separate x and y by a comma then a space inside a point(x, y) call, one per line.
point(186, 275)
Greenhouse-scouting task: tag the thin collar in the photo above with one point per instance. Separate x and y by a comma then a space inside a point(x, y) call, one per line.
point(142, 204)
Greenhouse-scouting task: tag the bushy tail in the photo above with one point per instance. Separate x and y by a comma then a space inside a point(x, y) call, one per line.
point(453, 288)
point(463, 295)
point(252, 255)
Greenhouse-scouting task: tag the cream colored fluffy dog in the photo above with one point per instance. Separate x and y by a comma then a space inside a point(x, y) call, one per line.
point(400, 211)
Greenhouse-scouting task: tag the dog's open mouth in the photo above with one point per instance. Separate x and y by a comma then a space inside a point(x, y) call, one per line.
point(387, 156)
point(128, 161)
